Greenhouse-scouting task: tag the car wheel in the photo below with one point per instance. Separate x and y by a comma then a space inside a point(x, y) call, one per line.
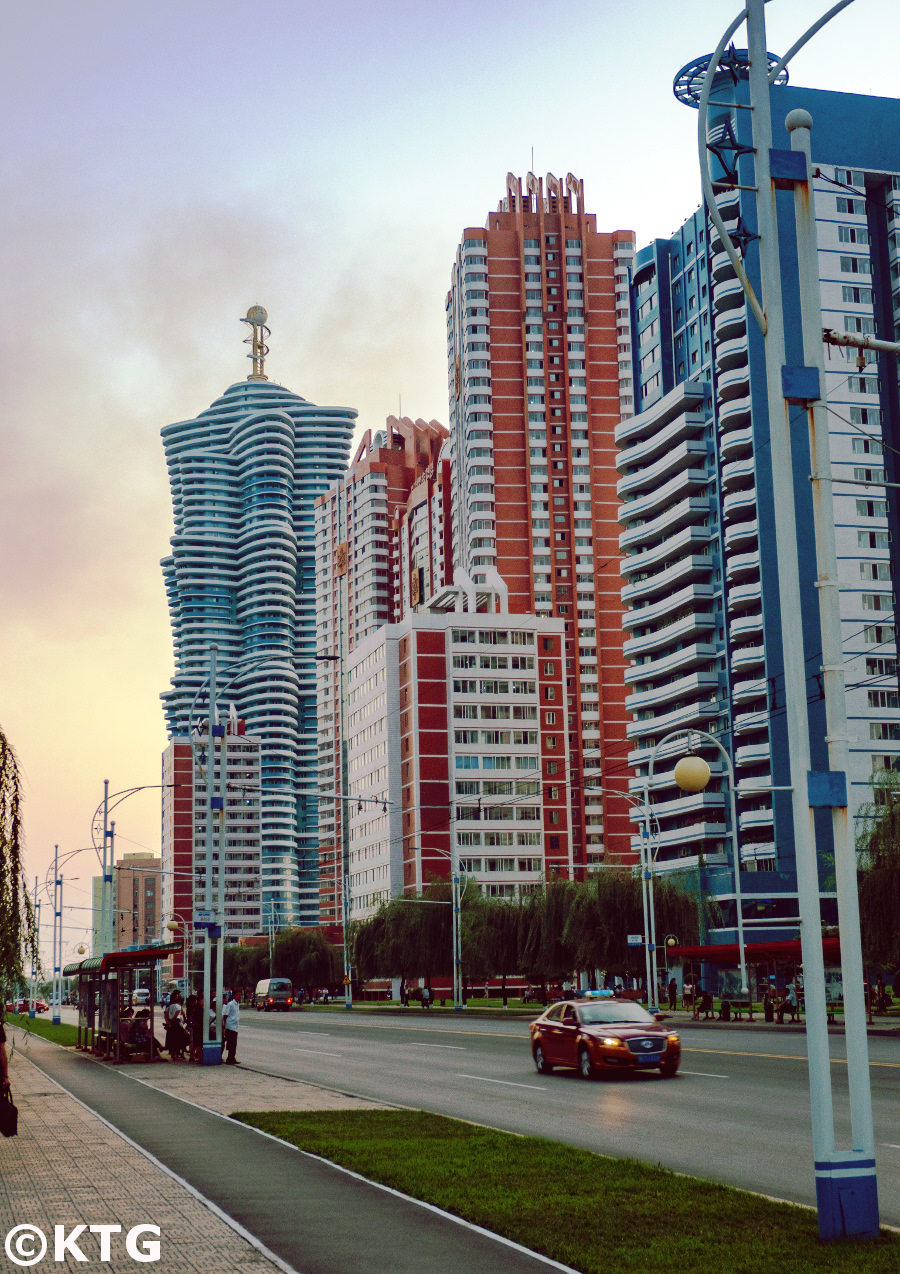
point(586, 1067)
point(542, 1066)
point(669, 1071)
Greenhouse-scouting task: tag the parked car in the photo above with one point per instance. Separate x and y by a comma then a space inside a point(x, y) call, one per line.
point(274, 993)
point(601, 1036)
point(140, 997)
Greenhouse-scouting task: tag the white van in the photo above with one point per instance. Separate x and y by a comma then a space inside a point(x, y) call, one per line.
point(274, 993)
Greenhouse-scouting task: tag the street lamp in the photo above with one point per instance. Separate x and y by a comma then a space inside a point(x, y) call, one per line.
point(692, 774)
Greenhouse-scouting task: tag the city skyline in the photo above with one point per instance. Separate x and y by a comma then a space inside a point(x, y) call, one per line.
point(143, 223)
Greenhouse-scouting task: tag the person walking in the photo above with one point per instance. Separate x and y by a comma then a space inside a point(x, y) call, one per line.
point(426, 997)
point(673, 994)
point(230, 1025)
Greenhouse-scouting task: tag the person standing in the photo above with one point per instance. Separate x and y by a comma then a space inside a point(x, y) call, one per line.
point(673, 993)
point(4, 1061)
point(230, 1024)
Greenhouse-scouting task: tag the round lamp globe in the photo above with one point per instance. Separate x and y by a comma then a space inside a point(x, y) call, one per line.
point(692, 773)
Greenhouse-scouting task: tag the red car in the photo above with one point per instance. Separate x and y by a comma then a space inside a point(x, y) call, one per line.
point(597, 1036)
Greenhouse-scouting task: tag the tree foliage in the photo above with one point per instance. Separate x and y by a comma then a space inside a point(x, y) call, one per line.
point(18, 930)
point(878, 843)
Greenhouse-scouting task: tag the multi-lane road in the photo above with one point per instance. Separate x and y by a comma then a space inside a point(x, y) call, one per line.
point(738, 1111)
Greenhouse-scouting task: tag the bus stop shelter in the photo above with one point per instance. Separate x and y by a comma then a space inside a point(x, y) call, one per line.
point(108, 1024)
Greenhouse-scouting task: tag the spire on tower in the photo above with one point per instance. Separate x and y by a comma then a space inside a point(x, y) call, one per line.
point(256, 317)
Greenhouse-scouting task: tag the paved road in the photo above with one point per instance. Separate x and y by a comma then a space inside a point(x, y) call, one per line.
point(738, 1112)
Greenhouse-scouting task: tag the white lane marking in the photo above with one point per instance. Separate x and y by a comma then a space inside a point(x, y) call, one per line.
point(317, 1052)
point(540, 1088)
point(890, 1145)
point(704, 1074)
point(417, 1044)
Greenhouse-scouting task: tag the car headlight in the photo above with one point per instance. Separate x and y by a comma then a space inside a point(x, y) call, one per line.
point(673, 1039)
point(611, 1041)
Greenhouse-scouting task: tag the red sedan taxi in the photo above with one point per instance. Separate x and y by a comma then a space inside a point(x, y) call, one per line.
point(597, 1036)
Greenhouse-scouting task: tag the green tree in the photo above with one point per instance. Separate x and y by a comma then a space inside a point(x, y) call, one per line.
point(497, 937)
point(307, 958)
point(18, 930)
point(878, 843)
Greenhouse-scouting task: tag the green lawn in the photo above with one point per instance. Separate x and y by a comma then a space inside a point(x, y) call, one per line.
point(589, 1212)
point(40, 1025)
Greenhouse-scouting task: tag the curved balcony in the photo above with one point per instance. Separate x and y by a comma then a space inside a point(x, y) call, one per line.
point(691, 836)
point(727, 295)
point(684, 397)
point(728, 199)
point(741, 564)
point(720, 266)
point(738, 473)
point(681, 514)
point(683, 426)
point(748, 657)
point(738, 442)
point(698, 653)
point(693, 684)
point(687, 626)
point(733, 383)
point(744, 595)
point(751, 722)
point(739, 501)
point(745, 626)
point(737, 533)
point(751, 754)
point(730, 323)
point(715, 239)
point(696, 595)
point(688, 568)
point(688, 714)
point(732, 353)
point(686, 482)
point(749, 819)
point(688, 538)
point(734, 414)
point(744, 690)
point(674, 460)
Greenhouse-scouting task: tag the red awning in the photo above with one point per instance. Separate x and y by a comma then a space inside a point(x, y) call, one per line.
point(754, 952)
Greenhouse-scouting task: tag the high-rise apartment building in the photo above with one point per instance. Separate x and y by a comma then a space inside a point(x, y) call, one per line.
point(540, 374)
point(244, 476)
point(382, 544)
point(701, 569)
point(135, 900)
point(457, 749)
point(237, 862)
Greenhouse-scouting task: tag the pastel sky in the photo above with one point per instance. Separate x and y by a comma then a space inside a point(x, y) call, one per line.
point(169, 164)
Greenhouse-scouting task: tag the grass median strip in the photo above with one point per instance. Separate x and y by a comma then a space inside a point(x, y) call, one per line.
point(61, 1034)
point(589, 1212)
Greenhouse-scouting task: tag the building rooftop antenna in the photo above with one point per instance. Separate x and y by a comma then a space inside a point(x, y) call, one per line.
point(257, 317)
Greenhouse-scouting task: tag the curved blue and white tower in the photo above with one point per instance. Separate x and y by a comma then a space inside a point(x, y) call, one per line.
point(241, 575)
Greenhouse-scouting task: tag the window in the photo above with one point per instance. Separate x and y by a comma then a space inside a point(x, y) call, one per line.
point(465, 736)
point(871, 508)
point(878, 634)
point(875, 570)
point(884, 730)
point(878, 601)
point(549, 692)
point(856, 265)
point(866, 446)
point(873, 539)
point(882, 666)
point(884, 699)
point(467, 762)
point(857, 296)
point(852, 207)
point(869, 475)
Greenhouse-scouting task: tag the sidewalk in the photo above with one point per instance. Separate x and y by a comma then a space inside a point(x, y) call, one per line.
point(136, 1153)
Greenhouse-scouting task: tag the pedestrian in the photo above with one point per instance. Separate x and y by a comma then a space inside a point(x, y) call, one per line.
point(4, 1062)
point(426, 997)
point(230, 1024)
point(195, 1024)
point(176, 1034)
point(673, 993)
point(687, 995)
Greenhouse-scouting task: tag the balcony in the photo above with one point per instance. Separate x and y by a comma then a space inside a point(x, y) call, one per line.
point(738, 533)
point(751, 722)
point(688, 626)
point(681, 514)
point(734, 413)
point(699, 652)
point(715, 239)
point(744, 595)
point(695, 596)
point(742, 564)
point(720, 267)
point(685, 397)
point(737, 502)
point(732, 353)
point(738, 474)
point(745, 626)
point(738, 442)
point(748, 657)
point(684, 540)
point(729, 324)
point(687, 482)
point(693, 684)
point(674, 460)
point(752, 754)
point(689, 714)
point(727, 295)
point(752, 689)
point(685, 425)
point(733, 383)
point(748, 820)
point(693, 567)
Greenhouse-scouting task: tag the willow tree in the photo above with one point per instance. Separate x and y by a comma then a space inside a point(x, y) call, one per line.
point(878, 843)
point(18, 931)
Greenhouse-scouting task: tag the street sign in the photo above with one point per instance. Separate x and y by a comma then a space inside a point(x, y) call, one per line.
point(203, 919)
point(635, 940)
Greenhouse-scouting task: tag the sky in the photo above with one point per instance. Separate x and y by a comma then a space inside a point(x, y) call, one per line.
point(170, 164)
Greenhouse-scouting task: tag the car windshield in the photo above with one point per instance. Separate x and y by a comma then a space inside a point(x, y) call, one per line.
point(279, 984)
point(613, 1013)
